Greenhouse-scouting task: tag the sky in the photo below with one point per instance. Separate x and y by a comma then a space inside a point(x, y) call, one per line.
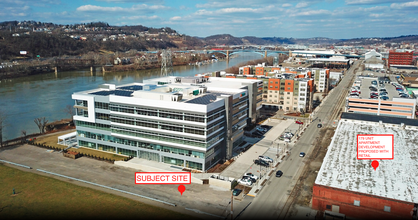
point(338, 19)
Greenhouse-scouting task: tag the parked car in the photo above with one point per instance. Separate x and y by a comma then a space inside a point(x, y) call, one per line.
point(383, 93)
point(236, 192)
point(319, 126)
point(384, 97)
point(404, 96)
point(251, 175)
point(261, 162)
point(245, 182)
point(249, 178)
point(279, 173)
point(374, 82)
point(299, 122)
point(302, 154)
point(261, 129)
point(265, 158)
point(289, 134)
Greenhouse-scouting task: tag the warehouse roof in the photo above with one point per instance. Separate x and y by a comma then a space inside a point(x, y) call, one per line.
point(395, 179)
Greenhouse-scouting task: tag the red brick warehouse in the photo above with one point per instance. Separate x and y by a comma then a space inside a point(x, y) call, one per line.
point(348, 186)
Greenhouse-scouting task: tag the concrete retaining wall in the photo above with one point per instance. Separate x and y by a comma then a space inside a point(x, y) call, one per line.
point(223, 183)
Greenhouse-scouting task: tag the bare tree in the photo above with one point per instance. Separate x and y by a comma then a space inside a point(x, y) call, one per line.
point(23, 132)
point(2, 126)
point(41, 123)
point(69, 109)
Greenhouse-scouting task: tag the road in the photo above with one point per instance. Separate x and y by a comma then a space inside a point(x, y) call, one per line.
point(270, 202)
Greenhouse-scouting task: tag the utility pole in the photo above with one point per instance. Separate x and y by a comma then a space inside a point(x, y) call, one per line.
point(232, 204)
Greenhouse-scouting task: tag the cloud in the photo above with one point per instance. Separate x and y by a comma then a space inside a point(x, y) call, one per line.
point(216, 4)
point(136, 1)
point(141, 17)
point(406, 5)
point(286, 5)
point(134, 8)
point(371, 2)
point(175, 18)
point(311, 12)
point(302, 5)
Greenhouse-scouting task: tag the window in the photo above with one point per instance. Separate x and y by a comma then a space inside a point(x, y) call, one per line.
point(386, 209)
point(356, 203)
point(277, 82)
point(276, 87)
point(328, 207)
point(288, 93)
point(288, 88)
point(270, 96)
point(288, 83)
point(275, 91)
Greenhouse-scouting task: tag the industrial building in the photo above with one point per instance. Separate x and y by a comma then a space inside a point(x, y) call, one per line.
point(349, 187)
point(189, 122)
point(400, 58)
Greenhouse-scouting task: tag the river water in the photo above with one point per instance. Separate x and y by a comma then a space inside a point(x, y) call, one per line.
point(46, 95)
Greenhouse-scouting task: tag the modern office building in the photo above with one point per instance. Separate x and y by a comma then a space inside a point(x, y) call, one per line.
point(400, 58)
point(349, 187)
point(184, 121)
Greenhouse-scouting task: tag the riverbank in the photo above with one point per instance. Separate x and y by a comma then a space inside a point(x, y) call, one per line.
point(25, 69)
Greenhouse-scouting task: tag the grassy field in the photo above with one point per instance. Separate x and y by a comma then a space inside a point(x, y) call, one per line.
point(40, 197)
point(52, 140)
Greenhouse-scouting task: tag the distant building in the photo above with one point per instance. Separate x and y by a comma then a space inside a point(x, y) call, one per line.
point(371, 54)
point(400, 58)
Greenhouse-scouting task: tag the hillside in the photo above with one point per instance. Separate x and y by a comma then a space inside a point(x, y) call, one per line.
point(49, 40)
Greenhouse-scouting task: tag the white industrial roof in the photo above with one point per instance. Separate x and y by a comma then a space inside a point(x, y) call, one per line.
point(395, 179)
point(334, 59)
point(325, 52)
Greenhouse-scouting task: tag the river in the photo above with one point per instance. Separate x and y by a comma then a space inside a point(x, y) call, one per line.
point(46, 95)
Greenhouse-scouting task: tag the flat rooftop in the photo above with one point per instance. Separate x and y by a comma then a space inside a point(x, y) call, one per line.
point(395, 179)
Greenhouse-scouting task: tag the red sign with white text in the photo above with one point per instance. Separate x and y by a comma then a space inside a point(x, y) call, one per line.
point(163, 178)
point(375, 147)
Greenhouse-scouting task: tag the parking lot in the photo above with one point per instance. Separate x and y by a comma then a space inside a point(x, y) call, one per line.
point(268, 145)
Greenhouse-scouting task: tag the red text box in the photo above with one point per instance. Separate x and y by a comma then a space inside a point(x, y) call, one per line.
point(375, 146)
point(163, 178)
